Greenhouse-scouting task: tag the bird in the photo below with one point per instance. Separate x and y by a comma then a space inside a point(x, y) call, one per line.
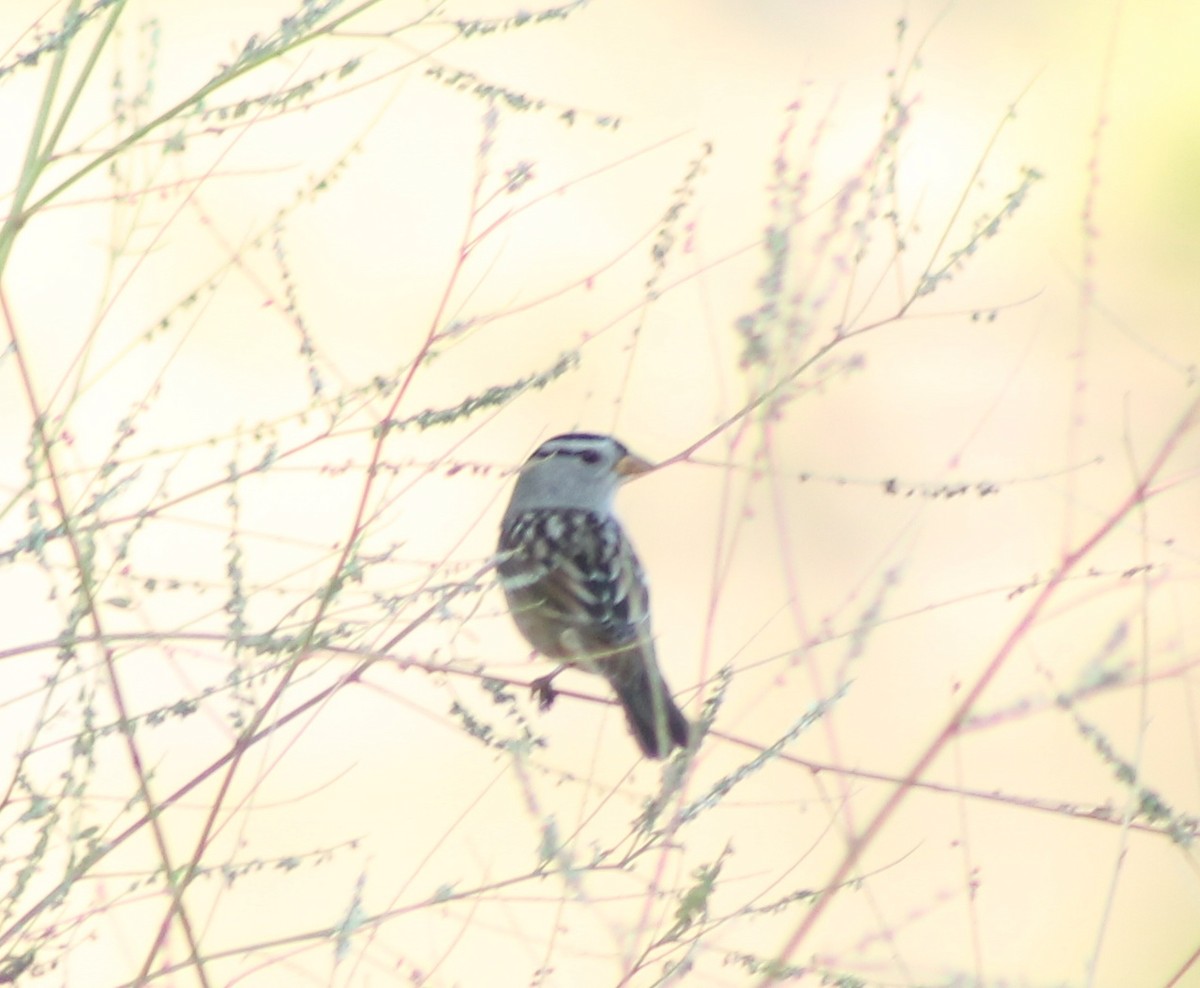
point(574, 585)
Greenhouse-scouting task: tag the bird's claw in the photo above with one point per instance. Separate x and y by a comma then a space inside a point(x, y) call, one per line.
point(543, 689)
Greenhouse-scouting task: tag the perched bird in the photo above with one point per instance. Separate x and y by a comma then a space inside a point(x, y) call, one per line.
point(574, 585)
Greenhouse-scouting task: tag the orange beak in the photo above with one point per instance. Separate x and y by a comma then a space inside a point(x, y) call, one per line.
point(630, 466)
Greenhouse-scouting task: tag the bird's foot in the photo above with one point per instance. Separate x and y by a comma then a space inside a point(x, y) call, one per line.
point(543, 689)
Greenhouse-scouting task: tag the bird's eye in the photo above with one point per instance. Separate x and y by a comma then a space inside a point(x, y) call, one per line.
point(590, 456)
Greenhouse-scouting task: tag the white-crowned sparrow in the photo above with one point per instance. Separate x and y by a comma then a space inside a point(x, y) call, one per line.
point(574, 585)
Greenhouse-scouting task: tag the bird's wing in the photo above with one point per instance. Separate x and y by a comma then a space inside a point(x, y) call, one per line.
point(579, 569)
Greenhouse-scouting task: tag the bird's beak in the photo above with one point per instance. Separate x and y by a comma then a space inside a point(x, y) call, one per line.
point(630, 466)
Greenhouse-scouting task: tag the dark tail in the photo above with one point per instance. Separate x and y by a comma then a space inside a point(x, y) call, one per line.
point(655, 721)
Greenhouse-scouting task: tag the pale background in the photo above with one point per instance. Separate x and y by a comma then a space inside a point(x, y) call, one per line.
point(174, 308)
